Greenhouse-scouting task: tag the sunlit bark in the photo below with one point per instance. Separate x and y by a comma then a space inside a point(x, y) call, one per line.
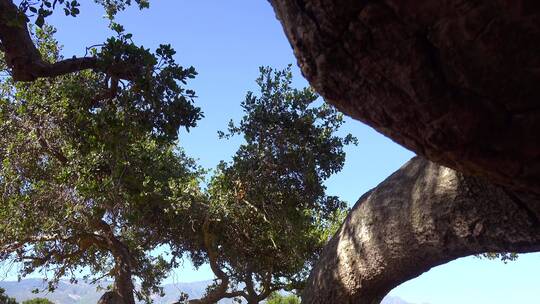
point(422, 216)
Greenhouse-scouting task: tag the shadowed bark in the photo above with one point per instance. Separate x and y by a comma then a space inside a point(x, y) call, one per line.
point(455, 81)
point(422, 216)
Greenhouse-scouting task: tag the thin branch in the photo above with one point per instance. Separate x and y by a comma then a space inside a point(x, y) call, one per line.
point(47, 147)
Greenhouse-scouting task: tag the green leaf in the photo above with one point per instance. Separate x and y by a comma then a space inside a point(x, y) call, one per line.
point(40, 20)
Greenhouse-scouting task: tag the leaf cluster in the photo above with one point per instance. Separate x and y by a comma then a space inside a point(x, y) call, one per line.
point(76, 168)
point(38, 301)
point(268, 209)
point(276, 298)
point(41, 9)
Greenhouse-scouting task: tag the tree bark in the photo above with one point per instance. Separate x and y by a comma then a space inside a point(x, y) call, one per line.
point(455, 81)
point(123, 289)
point(123, 284)
point(422, 216)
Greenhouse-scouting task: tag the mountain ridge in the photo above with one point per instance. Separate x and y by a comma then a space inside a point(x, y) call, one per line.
point(84, 293)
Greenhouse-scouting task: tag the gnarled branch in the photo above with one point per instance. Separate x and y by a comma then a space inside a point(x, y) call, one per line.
point(27, 64)
point(221, 290)
point(455, 81)
point(21, 54)
point(422, 216)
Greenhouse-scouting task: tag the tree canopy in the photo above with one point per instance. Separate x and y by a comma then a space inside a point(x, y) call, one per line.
point(38, 301)
point(94, 180)
point(268, 216)
point(84, 176)
point(276, 298)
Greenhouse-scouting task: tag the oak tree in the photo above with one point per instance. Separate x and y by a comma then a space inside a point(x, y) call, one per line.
point(91, 175)
point(268, 215)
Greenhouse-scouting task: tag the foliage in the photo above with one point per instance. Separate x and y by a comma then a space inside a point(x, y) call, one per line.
point(84, 173)
point(42, 9)
point(505, 257)
point(5, 299)
point(276, 298)
point(38, 301)
point(269, 216)
point(90, 160)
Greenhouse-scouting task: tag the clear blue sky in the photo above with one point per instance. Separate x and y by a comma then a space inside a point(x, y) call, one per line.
point(226, 41)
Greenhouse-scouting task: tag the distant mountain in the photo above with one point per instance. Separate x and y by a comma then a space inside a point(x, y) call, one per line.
point(83, 293)
point(66, 293)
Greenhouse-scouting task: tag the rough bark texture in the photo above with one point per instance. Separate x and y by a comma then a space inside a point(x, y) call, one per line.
point(454, 80)
point(422, 216)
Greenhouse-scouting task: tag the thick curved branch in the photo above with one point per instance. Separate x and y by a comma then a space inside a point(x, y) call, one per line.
point(26, 63)
point(22, 55)
point(422, 216)
point(455, 81)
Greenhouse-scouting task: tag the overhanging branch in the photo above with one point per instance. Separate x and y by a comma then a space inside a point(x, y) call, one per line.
point(26, 62)
point(22, 56)
point(422, 216)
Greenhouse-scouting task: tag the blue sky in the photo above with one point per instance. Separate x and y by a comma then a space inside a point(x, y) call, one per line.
point(226, 41)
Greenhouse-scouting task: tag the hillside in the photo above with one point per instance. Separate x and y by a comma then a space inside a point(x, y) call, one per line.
point(83, 293)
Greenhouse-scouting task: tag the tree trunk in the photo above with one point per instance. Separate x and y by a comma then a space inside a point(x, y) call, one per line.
point(123, 284)
point(422, 216)
point(456, 81)
point(123, 289)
